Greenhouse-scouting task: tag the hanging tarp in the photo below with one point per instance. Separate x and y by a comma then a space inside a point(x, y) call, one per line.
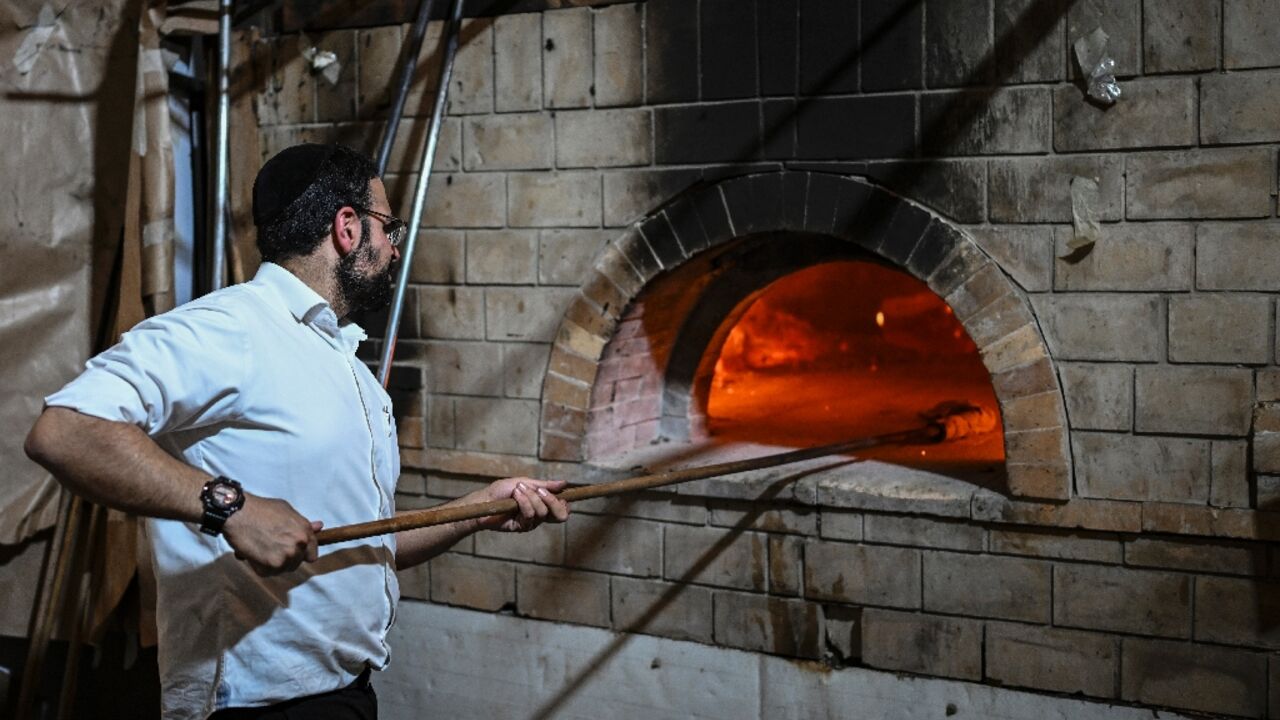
point(67, 78)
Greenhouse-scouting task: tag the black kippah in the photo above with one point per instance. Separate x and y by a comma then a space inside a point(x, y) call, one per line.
point(284, 178)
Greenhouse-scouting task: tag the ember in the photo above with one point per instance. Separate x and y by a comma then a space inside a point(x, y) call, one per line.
point(849, 349)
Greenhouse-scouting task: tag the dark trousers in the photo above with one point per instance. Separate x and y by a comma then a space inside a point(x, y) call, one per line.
point(357, 701)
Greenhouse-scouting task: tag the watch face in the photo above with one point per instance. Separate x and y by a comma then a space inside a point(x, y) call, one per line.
point(224, 496)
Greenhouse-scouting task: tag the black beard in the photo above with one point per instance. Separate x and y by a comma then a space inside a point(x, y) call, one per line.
point(363, 292)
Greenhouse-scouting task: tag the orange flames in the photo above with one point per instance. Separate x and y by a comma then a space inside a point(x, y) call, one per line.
point(848, 349)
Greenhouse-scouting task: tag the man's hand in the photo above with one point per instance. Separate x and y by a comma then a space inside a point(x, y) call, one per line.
point(537, 504)
point(271, 536)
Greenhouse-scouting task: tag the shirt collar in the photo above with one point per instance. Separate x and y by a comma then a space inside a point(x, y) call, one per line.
point(306, 305)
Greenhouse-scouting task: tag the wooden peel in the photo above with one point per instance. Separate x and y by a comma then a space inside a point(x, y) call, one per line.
point(945, 426)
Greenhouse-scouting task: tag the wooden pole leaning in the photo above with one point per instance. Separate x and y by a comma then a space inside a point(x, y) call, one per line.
point(932, 433)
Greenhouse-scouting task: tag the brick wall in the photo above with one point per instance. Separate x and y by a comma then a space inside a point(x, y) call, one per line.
point(569, 130)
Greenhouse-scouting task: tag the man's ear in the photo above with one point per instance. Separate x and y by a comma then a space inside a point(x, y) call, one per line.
point(346, 230)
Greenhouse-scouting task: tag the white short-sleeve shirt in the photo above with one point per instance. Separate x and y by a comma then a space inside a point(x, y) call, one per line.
point(259, 382)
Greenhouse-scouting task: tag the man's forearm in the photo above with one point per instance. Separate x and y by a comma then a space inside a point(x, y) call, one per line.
point(115, 464)
point(414, 547)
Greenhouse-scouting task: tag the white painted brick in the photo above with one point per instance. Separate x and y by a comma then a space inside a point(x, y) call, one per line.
point(1138, 467)
point(379, 50)
point(1058, 544)
point(603, 138)
point(525, 314)
point(862, 574)
point(471, 84)
point(1039, 189)
point(564, 199)
point(512, 141)
point(1251, 34)
point(987, 586)
point(1122, 600)
point(1155, 113)
point(518, 62)
point(1240, 107)
point(632, 194)
point(523, 368)
point(439, 258)
point(1101, 326)
point(567, 58)
point(615, 545)
point(1230, 487)
point(1130, 257)
point(1201, 400)
point(619, 57)
point(406, 151)
point(499, 426)
point(502, 257)
point(671, 610)
point(1052, 659)
point(466, 200)
point(463, 368)
point(1099, 396)
point(565, 256)
point(715, 556)
point(924, 532)
point(1181, 35)
point(1238, 256)
point(1025, 252)
point(1220, 328)
point(455, 313)
point(1212, 679)
point(1214, 183)
point(928, 644)
point(1034, 48)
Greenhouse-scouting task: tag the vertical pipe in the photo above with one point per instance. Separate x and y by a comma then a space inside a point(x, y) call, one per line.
point(420, 194)
point(218, 264)
point(408, 63)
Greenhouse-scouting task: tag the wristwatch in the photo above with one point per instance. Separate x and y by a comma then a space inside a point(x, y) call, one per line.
point(221, 497)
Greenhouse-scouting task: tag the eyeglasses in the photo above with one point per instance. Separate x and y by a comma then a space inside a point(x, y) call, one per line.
point(393, 226)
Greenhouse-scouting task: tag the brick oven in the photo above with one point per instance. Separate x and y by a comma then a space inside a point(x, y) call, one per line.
point(622, 187)
point(656, 377)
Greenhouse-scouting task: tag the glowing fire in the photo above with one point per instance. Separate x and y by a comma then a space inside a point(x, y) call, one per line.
point(850, 349)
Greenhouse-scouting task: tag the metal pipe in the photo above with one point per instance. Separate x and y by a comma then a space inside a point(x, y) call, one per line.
point(218, 264)
point(408, 63)
point(451, 33)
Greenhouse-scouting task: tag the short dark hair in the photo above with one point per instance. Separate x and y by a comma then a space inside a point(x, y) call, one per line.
point(297, 193)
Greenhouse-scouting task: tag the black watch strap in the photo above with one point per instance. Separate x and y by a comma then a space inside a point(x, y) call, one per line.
point(221, 498)
point(212, 522)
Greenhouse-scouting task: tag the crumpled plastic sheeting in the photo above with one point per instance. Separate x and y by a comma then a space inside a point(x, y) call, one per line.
point(323, 62)
point(60, 208)
point(1099, 68)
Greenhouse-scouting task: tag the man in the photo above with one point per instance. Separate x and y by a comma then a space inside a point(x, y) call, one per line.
point(241, 423)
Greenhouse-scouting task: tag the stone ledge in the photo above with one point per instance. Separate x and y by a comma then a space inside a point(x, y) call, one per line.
point(850, 483)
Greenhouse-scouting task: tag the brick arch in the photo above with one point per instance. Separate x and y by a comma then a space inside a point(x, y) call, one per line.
point(993, 310)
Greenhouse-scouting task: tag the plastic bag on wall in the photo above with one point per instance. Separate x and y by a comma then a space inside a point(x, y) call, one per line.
point(1098, 67)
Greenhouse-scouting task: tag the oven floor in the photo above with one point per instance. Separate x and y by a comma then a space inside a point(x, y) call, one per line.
point(817, 408)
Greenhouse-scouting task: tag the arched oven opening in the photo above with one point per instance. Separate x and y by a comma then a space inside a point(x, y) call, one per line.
point(784, 340)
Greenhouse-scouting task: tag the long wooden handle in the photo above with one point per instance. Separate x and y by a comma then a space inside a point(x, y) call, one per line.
point(440, 515)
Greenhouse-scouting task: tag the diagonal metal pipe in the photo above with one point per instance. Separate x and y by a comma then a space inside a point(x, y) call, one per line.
point(451, 33)
point(408, 63)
